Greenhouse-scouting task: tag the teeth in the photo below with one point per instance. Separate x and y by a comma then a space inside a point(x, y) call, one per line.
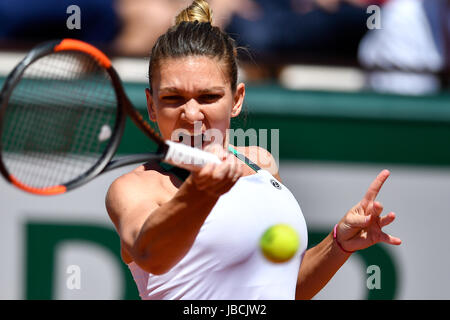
point(191, 138)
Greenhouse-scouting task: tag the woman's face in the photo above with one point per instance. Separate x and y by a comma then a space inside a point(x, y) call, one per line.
point(193, 96)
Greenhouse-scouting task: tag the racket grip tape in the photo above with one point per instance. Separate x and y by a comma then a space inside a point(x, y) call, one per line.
point(188, 158)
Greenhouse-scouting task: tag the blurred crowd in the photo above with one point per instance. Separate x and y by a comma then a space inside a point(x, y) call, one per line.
point(409, 55)
point(405, 55)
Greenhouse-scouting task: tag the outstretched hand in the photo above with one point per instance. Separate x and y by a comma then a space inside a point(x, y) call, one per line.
point(362, 226)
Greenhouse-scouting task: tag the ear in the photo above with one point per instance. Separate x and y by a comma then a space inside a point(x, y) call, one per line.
point(150, 105)
point(238, 100)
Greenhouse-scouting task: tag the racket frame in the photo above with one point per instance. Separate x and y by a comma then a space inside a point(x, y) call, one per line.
point(176, 154)
point(105, 158)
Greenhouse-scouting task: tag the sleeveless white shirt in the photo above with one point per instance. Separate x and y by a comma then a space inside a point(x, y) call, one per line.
point(225, 262)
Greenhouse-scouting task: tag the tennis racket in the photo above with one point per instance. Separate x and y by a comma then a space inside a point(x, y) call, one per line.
point(63, 111)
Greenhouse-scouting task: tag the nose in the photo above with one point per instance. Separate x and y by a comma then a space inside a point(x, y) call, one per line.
point(192, 112)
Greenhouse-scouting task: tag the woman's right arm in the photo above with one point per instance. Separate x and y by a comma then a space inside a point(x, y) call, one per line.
point(158, 235)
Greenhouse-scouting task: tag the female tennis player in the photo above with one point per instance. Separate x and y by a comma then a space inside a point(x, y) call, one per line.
point(197, 237)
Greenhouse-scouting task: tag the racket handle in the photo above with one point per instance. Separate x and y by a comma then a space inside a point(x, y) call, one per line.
point(188, 158)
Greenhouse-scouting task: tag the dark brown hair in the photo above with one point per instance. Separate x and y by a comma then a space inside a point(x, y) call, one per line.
point(194, 35)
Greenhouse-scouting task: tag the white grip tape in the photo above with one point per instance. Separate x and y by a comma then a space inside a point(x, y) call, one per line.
point(187, 157)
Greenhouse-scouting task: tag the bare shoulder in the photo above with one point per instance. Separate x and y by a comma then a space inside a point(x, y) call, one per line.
point(132, 188)
point(129, 201)
point(262, 158)
point(133, 181)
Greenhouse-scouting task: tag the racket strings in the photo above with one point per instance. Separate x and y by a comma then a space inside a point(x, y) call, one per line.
point(39, 163)
point(59, 120)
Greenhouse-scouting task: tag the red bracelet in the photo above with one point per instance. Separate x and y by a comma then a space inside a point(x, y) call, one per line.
point(335, 239)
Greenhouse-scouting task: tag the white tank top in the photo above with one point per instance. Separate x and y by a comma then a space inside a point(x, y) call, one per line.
point(225, 261)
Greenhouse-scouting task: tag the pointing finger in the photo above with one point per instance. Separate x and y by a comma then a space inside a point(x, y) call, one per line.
point(374, 188)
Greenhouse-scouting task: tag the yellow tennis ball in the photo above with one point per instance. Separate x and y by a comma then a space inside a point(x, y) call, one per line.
point(279, 243)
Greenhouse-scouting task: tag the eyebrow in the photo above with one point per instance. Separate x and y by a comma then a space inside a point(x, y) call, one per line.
point(202, 91)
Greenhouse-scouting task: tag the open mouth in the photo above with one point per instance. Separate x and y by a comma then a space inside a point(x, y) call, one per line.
point(196, 141)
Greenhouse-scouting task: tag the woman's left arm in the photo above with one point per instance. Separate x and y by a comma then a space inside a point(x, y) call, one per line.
point(360, 228)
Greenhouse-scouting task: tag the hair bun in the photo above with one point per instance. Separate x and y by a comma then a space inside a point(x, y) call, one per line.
point(199, 11)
